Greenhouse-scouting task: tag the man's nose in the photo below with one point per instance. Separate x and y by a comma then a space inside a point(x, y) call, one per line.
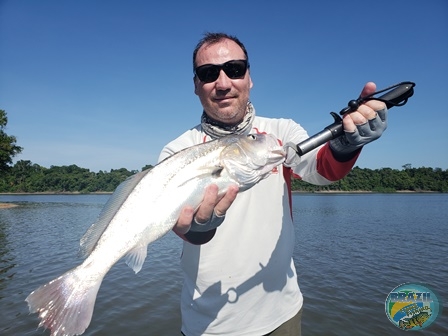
point(223, 82)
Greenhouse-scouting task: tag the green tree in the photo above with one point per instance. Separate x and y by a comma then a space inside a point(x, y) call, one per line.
point(148, 166)
point(8, 147)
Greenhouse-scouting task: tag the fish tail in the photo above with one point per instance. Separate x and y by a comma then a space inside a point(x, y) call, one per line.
point(65, 304)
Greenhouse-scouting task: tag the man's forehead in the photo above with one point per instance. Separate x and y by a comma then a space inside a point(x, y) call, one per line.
point(222, 48)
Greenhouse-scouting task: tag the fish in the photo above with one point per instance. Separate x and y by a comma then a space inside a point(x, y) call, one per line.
point(143, 209)
point(414, 321)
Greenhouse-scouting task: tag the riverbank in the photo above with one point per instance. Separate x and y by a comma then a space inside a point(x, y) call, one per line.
point(57, 193)
point(12, 205)
point(364, 192)
point(293, 191)
point(7, 205)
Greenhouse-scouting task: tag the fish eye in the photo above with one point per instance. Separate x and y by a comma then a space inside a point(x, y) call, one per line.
point(252, 136)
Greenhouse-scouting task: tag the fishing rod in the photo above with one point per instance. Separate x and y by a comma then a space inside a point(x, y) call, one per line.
point(397, 95)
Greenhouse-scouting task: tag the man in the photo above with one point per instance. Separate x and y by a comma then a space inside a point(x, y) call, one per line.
point(240, 279)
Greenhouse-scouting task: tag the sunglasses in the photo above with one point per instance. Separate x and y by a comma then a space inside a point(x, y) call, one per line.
point(234, 69)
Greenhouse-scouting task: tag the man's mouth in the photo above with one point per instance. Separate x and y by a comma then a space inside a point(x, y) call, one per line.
point(223, 98)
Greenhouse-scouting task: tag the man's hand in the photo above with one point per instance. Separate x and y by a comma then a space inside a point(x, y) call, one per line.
point(362, 126)
point(365, 112)
point(212, 203)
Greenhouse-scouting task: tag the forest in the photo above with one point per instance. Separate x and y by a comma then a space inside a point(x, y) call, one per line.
point(27, 177)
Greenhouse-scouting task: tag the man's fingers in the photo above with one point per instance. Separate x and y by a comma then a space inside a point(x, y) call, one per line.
point(208, 204)
point(364, 113)
point(375, 105)
point(183, 223)
point(225, 203)
point(211, 203)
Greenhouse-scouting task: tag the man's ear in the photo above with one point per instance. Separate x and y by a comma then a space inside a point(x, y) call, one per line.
point(195, 82)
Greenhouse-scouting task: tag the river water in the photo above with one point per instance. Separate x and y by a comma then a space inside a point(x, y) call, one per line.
point(351, 251)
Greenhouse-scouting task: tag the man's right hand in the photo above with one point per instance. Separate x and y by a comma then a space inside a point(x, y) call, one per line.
point(212, 203)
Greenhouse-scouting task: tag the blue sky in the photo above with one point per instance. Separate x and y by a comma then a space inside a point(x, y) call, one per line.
point(106, 84)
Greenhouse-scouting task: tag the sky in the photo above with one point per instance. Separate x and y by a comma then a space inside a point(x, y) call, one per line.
point(106, 84)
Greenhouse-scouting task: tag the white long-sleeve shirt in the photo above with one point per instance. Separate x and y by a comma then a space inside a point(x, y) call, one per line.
point(243, 281)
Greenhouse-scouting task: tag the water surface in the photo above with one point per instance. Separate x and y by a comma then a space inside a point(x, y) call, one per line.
point(351, 251)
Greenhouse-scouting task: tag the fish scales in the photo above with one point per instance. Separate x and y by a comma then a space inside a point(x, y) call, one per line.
point(144, 208)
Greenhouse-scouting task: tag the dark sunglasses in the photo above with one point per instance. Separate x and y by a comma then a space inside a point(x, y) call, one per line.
point(234, 69)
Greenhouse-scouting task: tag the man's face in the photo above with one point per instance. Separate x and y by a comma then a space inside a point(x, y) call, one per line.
point(225, 99)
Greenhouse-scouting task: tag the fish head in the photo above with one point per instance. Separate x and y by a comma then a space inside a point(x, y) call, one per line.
point(251, 158)
point(423, 317)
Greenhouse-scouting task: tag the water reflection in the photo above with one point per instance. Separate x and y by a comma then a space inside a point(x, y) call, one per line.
point(6, 259)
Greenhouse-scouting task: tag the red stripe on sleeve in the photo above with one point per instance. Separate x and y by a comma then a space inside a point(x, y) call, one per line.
point(329, 167)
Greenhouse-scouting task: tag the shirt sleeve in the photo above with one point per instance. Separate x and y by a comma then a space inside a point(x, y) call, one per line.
point(319, 166)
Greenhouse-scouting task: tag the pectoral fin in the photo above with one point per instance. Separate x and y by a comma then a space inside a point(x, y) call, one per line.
point(205, 172)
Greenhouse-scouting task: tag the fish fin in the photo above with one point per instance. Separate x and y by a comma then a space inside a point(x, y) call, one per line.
point(65, 305)
point(136, 257)
point(214, 171)
point(95, 231)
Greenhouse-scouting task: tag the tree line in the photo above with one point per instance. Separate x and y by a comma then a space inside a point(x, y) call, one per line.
point(383, 180)
point(8, 144)
point(25, 176)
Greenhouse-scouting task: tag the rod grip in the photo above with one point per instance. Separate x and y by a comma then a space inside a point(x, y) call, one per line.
point(399, 95)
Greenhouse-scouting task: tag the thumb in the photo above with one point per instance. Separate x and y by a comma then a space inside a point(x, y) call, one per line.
point(368, 89)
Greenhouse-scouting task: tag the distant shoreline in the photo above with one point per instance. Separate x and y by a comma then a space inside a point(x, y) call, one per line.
point(293, 191)
point(57, 193)
point(12, 205)
point(363, 192)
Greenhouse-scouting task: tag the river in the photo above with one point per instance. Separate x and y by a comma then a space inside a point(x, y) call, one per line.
point(351, 251)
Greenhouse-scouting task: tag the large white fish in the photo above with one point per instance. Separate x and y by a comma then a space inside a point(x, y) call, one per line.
point(144, 208)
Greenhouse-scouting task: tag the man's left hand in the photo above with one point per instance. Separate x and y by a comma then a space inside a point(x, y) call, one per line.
point(365, 112)
point(362, 126)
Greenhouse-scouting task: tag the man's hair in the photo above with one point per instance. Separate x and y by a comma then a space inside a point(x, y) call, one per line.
point(212, 38)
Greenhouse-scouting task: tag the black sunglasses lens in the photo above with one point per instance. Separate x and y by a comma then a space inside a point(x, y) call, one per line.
point(235, 69)
point(208, 73)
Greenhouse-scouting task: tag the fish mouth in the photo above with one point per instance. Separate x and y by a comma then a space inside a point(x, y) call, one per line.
point(280, 151)
point(276, 155)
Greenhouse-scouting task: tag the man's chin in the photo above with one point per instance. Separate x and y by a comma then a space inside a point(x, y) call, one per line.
point(225, 116)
